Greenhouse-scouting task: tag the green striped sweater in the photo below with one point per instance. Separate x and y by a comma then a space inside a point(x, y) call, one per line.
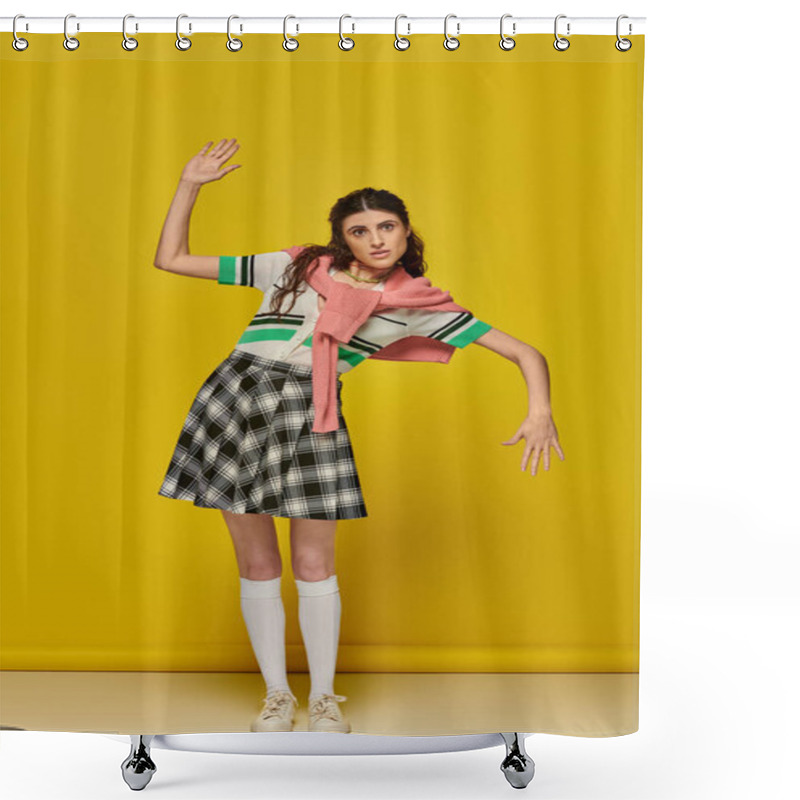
point(289, 338)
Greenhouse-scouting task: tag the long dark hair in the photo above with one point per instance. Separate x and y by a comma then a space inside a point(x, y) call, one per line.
point(359, 200)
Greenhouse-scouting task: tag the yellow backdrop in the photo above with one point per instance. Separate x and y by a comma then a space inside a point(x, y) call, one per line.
point(522, 173)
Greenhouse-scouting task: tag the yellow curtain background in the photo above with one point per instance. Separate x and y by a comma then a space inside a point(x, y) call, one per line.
point(521, 171)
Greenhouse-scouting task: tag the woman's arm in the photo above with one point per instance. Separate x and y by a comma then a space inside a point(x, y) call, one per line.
point(174, 241)
point(531, 362)
point(173, 245)
point(538, 427)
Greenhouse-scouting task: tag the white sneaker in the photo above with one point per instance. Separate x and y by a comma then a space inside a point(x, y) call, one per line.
point(324, 714)
point(277, 713)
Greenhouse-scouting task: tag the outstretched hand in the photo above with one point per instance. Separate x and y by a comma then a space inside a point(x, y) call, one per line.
point(205, 166)
point(540, 435)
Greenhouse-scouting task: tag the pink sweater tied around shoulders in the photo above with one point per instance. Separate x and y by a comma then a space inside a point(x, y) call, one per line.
point(346, 309)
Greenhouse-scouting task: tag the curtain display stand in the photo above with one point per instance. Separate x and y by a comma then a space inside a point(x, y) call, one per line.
point(138, 768)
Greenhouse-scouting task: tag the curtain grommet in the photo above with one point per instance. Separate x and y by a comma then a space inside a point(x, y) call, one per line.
point(451, 42)
point(345, 42)
point(560, 44)
point(233, 44)
point(71, 42)
point(129, 43)
point(507, 42)
point(400, 42)
point(622, 44)
point(290, 43)
point(182, 42)
point(18, 43)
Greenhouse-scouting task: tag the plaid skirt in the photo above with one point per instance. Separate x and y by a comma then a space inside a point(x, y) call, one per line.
point(247, 446)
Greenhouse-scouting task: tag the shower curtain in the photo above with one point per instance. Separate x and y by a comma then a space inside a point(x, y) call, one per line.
point(480, 590)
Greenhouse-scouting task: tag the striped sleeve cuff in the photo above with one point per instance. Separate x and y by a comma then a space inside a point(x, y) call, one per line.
point(457, 328)
point(259, 270)
point(472, 331)
point(227, 270)
point(242, 270)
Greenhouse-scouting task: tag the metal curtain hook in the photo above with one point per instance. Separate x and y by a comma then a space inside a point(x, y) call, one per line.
point(289, 42)
point(233, 44)
point(401, 43)
point(506, 42)
point(451, 42)
point(560, 43)
point(623, 45)
point(128, 42)
point(345, 42)
point(182, 43)
point(70, 42)
point(18, 43)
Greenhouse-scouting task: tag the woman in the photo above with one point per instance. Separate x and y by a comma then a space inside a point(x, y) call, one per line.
point(265, 435)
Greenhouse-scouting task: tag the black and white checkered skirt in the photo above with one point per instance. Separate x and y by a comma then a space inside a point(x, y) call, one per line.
point(247, 446)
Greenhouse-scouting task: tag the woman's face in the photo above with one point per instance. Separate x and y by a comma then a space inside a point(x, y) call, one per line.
point(369, 231)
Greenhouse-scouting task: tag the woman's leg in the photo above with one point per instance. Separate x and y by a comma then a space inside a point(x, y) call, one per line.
point(256, 544)
point(319, 602)
point(312, 542)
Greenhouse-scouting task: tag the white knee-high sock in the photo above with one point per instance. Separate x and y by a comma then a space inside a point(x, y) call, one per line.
point(320, 612)
point(265, 618)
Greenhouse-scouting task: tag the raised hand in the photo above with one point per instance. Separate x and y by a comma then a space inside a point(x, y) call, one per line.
point(206, 165)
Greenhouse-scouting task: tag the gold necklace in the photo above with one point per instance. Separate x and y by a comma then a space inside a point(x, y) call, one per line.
point(367, 280)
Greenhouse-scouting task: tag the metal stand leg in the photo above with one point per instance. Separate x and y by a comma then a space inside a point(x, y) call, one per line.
point(138, 768)
point(517, 766)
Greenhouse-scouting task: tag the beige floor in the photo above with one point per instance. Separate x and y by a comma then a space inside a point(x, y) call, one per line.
point(400, 704)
